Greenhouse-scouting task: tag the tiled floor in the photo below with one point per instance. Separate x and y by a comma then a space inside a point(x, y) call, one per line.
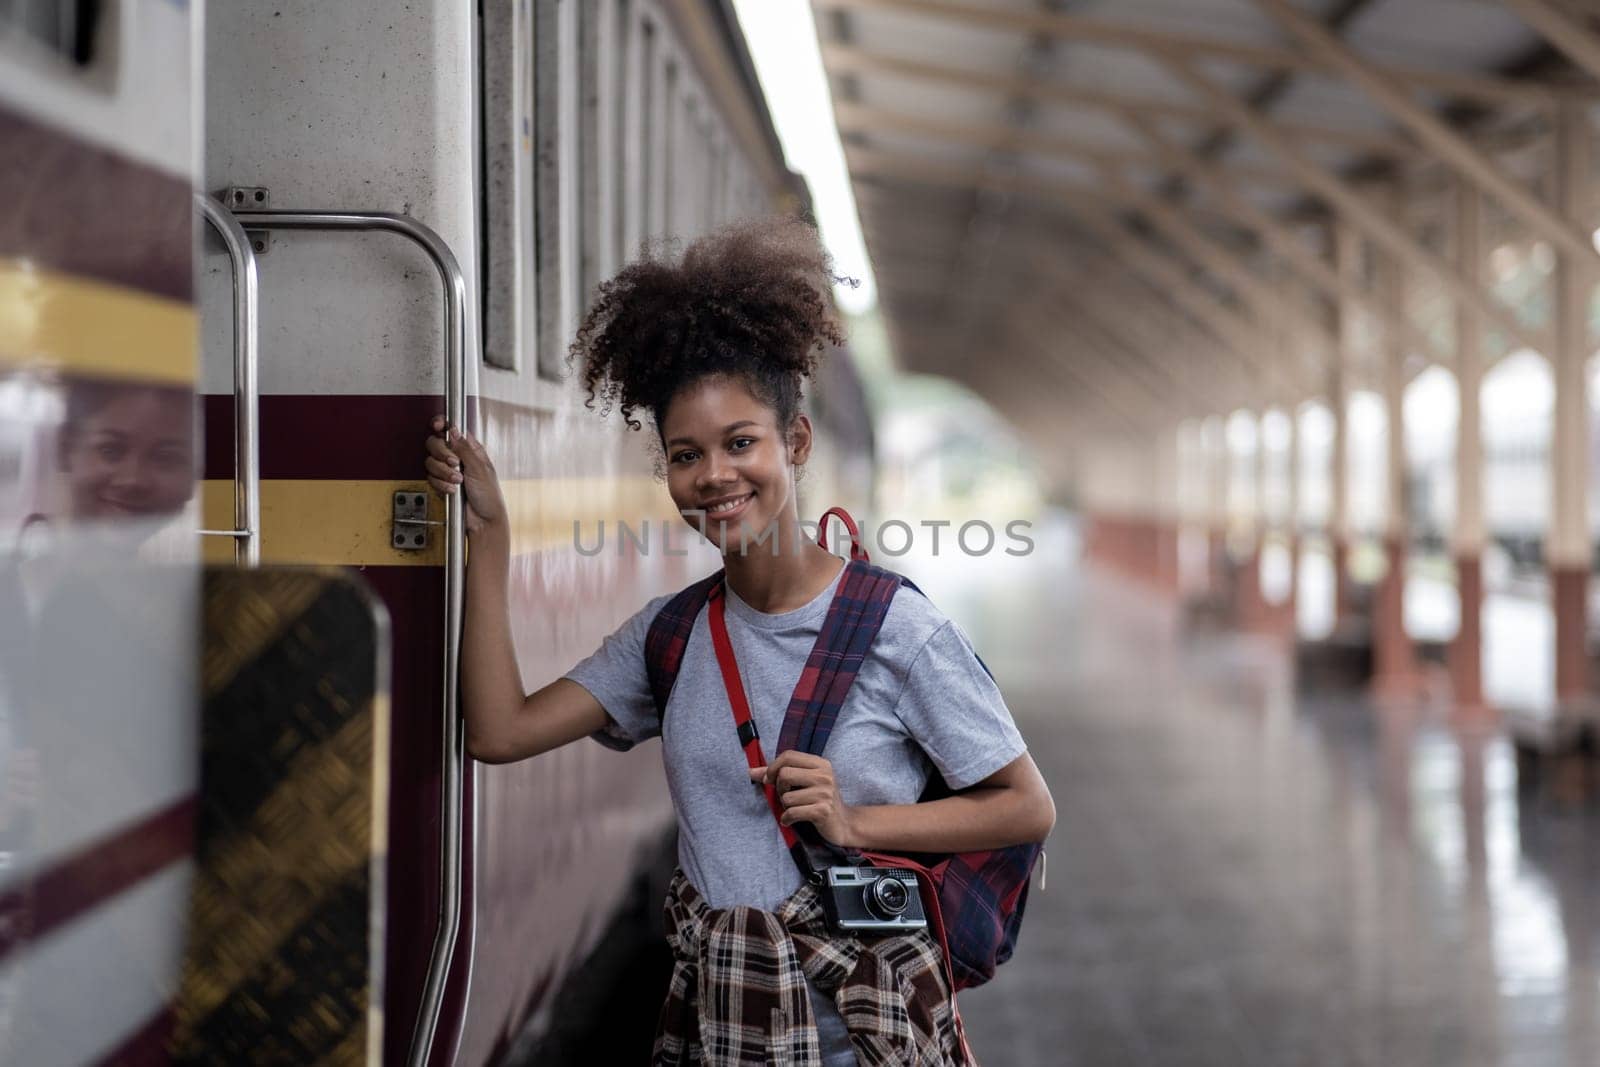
point(1239, 877)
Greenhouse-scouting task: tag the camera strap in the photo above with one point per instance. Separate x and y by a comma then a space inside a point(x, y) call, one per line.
point(749, 739)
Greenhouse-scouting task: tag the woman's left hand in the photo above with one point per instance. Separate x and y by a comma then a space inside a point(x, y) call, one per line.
point(808, 793)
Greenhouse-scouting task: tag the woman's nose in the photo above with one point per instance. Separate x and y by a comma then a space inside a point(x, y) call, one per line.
point(717, 471)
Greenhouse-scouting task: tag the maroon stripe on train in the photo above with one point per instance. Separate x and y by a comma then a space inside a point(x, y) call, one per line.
point(150, 1044)
point(414, 597)
point(378, 438)
point(79, 209)
point(97, 872)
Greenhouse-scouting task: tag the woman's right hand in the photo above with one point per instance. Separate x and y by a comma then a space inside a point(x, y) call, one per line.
point(458, 460)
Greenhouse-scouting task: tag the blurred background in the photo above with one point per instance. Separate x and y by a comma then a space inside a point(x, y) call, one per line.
point(1227, 369)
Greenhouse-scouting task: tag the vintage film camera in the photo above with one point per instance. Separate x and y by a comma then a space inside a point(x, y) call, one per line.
point(871, 899)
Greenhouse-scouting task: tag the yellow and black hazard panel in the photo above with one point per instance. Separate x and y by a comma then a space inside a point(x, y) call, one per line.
point(283, 963)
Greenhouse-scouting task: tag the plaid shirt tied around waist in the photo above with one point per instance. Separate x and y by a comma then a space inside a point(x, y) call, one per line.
point(738, 990)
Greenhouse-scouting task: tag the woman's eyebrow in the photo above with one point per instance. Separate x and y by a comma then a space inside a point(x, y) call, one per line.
point(732, 426)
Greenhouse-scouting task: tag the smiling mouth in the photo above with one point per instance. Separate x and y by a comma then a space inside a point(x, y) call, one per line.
point(120, 507)
point(727, 507)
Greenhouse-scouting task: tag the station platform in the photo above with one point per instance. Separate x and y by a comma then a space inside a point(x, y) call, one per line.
point(1243, 875)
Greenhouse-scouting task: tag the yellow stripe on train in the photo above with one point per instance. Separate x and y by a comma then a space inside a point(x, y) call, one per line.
point(349, 523)
point(81, 326)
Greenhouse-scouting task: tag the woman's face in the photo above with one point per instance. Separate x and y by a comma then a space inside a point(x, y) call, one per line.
point(728, 466)
point(132, 457)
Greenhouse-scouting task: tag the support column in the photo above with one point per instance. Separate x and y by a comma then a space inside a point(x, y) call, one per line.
point(1466, 651)
point(1217, 511)
point(1346, 247)
point(1252, 523)
point(1291, 520)
point(1394, 665)
point(1161, 535)
point(1568, 541)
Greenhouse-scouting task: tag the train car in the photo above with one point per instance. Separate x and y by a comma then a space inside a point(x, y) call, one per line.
point(402, 210)
point(99, 652)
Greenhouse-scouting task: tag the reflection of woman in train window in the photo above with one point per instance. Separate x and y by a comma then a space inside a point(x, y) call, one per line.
point(715, 348)
point(127, 450)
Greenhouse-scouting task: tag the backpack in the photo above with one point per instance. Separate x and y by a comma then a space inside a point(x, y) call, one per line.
point(974, 900)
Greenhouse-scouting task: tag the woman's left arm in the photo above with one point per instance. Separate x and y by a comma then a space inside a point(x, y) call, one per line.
point(1010, 807)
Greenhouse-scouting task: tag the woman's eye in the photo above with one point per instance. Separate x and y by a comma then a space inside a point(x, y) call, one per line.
point(681, 456)
point(746, 440)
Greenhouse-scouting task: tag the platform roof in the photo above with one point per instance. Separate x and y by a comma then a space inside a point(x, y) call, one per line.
point(1112, 214)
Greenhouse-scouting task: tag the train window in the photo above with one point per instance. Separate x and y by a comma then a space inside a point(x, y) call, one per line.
point(624, 76)
point(645, 136)
point(716, 187)
point(689, 222)
point(556, 227)
point(667, 116)
point(596, 58)
point(66, 27)
point(508, 177)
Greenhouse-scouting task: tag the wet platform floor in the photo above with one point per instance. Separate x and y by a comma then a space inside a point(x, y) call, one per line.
point(1240, 876)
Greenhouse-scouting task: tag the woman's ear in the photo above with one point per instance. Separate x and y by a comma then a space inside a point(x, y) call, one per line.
point(800, 440)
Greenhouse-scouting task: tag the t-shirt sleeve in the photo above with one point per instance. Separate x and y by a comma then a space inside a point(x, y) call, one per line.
point(615, 674)
point(954, 711)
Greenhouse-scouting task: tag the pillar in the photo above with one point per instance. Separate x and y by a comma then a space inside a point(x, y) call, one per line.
point(1568, 541)
point(1346, 249)
point(1291, 518)
point(1467, 539)
point(1217, 508)
point(1394, 666)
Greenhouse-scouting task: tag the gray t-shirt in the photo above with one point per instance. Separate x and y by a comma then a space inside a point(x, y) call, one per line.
point(920, 695)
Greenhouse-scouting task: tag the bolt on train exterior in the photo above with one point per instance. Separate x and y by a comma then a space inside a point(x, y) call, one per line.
point(246, 251)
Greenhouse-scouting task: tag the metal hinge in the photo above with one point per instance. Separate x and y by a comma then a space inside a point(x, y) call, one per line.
point(409, 532)
point(250, 198)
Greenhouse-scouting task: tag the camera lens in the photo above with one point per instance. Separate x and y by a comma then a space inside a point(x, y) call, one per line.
point(888, 896)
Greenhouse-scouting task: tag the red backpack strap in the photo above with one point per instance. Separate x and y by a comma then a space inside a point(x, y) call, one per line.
point(854, 618)
point(856, 551)
point(668, 636)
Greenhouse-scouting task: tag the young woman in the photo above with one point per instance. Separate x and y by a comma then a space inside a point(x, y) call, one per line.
point(713, 348)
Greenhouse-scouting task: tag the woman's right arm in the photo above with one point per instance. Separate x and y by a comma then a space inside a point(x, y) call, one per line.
point(504, 723)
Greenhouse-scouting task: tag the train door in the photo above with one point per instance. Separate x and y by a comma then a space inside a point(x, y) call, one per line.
point(357, 120)
point(98, 567)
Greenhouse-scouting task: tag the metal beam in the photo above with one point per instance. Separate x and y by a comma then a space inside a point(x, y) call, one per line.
point(1486, 89)
point(1433, 131)
point(1038, 353)
point(1238, 331)
point(1156, 324)
point(857, 118)
point(847, 59)
point(1122, 333)
point(1213, 256)
point(1278, 237)
point(1370, 219)
point(1565, 33)
point(1241, 337)
point(1072, 341)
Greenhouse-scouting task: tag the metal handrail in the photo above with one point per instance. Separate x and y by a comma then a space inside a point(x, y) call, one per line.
point(455, 403)
point(246, 530)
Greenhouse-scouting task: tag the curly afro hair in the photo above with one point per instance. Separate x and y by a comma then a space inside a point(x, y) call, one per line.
point(749, 301)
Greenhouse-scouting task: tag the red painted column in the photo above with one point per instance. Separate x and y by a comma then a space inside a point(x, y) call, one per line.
point(1217, 560)
point(1569, 588)
point(1288, 611)
point(1167, 555)
point(1341, 579)
point(1252, 606)
point(1569, 547)
point(1394, 661)
point(1466, 650)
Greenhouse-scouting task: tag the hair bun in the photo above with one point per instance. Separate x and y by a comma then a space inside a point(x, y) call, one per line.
point(749, 300)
